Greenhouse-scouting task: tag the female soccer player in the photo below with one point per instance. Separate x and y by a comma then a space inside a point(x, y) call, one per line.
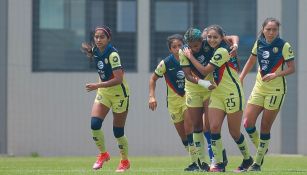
point(267, 96)
point(226, 99)
point(175, 80)
point(112, 92)
point(197, 97)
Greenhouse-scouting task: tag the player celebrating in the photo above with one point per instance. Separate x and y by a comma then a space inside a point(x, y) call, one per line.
point(174, 77)
point(113, 92)
point(226, 99)
point(267, 97)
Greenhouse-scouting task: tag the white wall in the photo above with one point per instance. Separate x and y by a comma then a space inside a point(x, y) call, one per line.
point(302, 74)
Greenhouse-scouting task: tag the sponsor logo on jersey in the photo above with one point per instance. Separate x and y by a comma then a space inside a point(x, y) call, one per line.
point(189, 100)
point(115, 59)
point(172, 68)
point(102, 76)
point(266, 54)
point(201, 58)
point(217, 57)
point(173, 116)
point(100, 65)
point(180, 75)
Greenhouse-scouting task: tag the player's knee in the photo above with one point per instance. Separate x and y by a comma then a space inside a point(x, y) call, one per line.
point(245, 123)
point(118, 131)
point(96, 123)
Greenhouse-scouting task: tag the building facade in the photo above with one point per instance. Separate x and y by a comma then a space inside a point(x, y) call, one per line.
point(45, 108)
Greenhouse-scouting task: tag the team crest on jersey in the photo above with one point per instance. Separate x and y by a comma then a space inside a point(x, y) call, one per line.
point(275, 49)
point(115, 59)
point(217, 57)
point(206, 48)
point(106, 60)
point(266, 54)
point(100, 65)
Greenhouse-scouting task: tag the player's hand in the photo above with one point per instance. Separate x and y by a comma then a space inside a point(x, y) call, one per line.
point(187, 52)
point(206, 84)
point(234, 50)
point(86, 49)
point(269, 77)
point(91, 86)
point(152, 103)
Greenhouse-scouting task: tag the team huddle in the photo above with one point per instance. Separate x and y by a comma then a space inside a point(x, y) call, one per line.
point(203, 87)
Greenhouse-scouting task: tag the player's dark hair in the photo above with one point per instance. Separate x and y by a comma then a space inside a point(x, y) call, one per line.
point(171, 38)
point(217, 28)
point(192, 34)
point(266, 21)
point(106, 30)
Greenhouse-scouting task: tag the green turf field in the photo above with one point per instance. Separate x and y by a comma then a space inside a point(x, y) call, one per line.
point(139, 165)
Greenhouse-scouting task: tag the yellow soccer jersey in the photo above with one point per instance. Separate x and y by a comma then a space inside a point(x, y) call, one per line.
point(189, 86)
point(271, 58)
point(225, 75)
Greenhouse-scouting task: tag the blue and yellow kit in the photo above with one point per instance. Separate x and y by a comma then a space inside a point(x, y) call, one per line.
point(175, 81)
point(271, 58)
point(228, 95)
point(115, 97)
point(195, 93)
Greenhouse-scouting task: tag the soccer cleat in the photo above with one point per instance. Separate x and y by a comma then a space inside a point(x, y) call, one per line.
point(123, 166)
point(254, 167)
point(219, 167)
point(101, 158)
point(192, 167)
point(225, 160)
point(245, 165)
point(203, 166)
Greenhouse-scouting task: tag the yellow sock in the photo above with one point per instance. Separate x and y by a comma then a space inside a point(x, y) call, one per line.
point(217, 147)
point(98, 137)
point(192, 149)
point(199, 143)
point(263, 146)
point(242, 145)
point(193, 154)
point(253, 135)
point(123, 147)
